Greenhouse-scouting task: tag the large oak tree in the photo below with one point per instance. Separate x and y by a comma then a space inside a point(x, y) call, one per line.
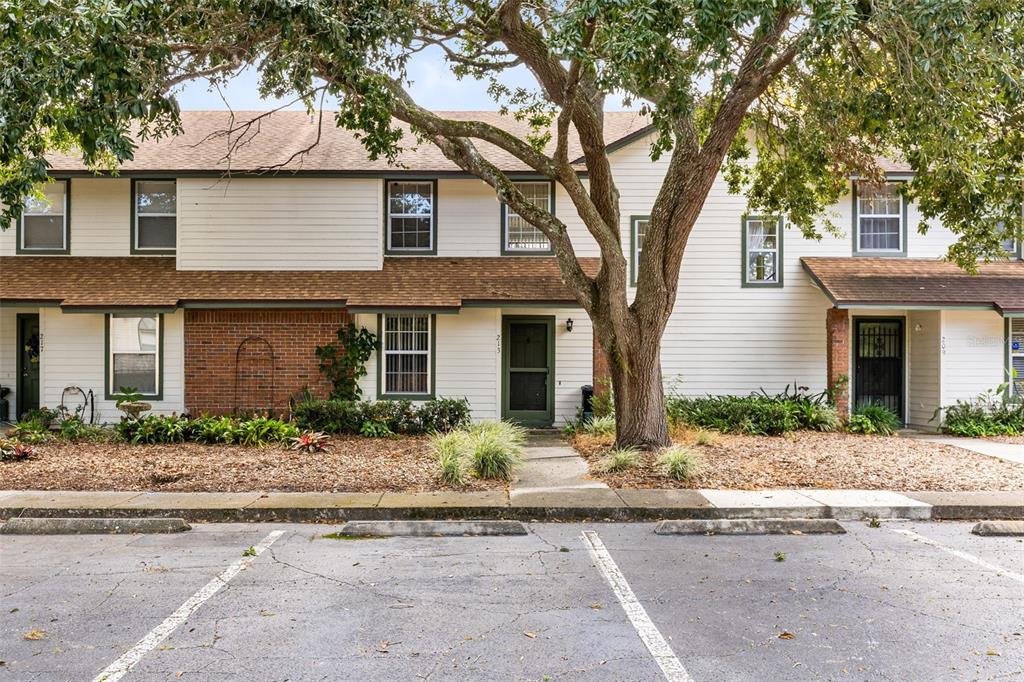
point(788, 98)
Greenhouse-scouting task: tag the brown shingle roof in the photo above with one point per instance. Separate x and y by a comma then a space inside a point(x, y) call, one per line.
point(918, 282)
point(203, 146)
point(96, 282)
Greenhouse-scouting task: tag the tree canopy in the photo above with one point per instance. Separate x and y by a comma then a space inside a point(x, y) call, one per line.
point(790, 98)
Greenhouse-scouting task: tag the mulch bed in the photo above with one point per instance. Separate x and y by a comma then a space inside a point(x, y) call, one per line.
point(817, 460)
point(352, 464)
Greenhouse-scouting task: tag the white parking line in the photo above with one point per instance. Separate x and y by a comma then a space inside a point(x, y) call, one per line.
point(656, 644)
point(119, 668)
point(959, 554)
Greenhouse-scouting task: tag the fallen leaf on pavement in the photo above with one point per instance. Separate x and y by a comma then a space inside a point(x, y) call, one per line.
point(992, 653)
point(35, 634)
point(531, 635)
point(787, 635)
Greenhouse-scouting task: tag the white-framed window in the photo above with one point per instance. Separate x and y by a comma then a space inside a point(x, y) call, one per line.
point(519, 235)
point(762, 251)
point(134, 353)
point(406, 346)
point(879, 218)
point(156, 215)
point(638, 230)
point(44, 224)
point(411, 212)
point(1016, 342)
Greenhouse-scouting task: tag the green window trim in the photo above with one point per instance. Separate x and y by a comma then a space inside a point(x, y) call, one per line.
point(634, 252)
point(780, 262)
point(66, 251)
point(133, 247)
point(881, 253)
point(1008, 332)
point(107, 365)
point(388, 250)
point(503, 219)
point(432, 363)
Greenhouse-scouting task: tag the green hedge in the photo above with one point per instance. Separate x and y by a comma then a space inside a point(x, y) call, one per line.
point(754, 414)
point(986, 415)
point(394, 416)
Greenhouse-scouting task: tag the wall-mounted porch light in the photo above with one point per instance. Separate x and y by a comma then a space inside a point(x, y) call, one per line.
point(568, 325)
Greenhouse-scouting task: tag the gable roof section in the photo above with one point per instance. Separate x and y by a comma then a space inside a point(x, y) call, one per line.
point(204, 146)
point(97, 283)
point(918, 282)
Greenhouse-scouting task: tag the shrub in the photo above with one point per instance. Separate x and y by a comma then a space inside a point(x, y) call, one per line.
point(679, 464)
point(399, 416)
point(989, 414)
point(31, 431)
point(310, 442)
point(262, 431)
point(874, 419)
point(74, 429)
point(620, 459)
point(329, 416)
point(705, 438)
point(451, 450)
point(42, 415)
point(344, 362)
point(757, 414)
point(211, 430)
point(443, 414)
point(154, 429)
point(603, 402)
point(600, 426)
point(15, 451)
point(372, 429)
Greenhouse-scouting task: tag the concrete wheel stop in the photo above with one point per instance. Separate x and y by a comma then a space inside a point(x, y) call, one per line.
point(1012, 529)
point(31, 525)
point(750, 527)
point(431, 528)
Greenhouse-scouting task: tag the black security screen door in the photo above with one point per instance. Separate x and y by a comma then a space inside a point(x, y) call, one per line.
point(528, 362)
point(878, 368)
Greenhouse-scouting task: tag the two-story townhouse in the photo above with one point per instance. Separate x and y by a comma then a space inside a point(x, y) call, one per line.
point(207, 270)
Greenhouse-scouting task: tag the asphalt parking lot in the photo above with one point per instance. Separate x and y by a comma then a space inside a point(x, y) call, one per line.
point(907, 601)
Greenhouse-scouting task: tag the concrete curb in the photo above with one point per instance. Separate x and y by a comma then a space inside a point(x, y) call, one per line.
point(380, 529)
point(91, 526)
point(750, 527)
point(573, 505)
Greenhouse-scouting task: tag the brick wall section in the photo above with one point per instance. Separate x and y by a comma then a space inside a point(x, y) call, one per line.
point(264, 356)
point(837, 335)
point(601, 371)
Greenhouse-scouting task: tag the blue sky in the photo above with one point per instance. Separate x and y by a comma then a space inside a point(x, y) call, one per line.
point(433, 86)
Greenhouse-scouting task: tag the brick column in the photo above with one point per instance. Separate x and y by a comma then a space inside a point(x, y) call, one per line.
point(837, 335)
point(601, 371)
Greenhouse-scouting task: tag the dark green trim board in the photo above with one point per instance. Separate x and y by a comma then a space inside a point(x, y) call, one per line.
point(19, 406)
point(432, 251)
point(67, 228)
point(780, 262)
point(109, 394)
point(381, 395)
point(1008, 356)
point(902, 253)
point(502, 219)
point(634, 265)
point(532, 418)
point(133, 225)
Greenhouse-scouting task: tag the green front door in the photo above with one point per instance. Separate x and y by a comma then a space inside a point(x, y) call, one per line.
point(27, 397)
point(528, 370)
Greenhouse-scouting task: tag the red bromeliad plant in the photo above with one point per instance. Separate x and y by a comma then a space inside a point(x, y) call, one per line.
point(310, 442)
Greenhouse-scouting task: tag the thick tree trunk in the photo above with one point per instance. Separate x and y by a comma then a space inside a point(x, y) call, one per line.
point(640, 417)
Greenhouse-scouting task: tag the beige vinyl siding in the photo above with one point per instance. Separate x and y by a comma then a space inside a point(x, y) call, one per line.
point(468, 219)
point(100, 219)
point(468, 358)
point(924, 340)
point(723, 338)
point(973, 353)
point(9, 351)
point(73, 354)
point(280, 224)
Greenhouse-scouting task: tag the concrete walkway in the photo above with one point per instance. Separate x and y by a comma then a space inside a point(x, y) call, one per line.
point(552, 466)
point(1008, 451)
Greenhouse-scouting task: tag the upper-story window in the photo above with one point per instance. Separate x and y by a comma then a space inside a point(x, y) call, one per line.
point(879, 220)
point(155, 226)
point(519, 236)
point(762, 251)
point(638, 230)
point(406, 349)
point(44, 221)
point(411, 216)
point(133, 354)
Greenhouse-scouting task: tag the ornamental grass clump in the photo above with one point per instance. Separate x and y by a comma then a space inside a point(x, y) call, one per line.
point(600, 426)
point(490, 449)
point(620, 459)
point(679, 463)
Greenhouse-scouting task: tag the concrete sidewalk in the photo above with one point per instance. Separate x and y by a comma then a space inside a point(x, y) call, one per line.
point(560, 505)
point(1011, 452)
